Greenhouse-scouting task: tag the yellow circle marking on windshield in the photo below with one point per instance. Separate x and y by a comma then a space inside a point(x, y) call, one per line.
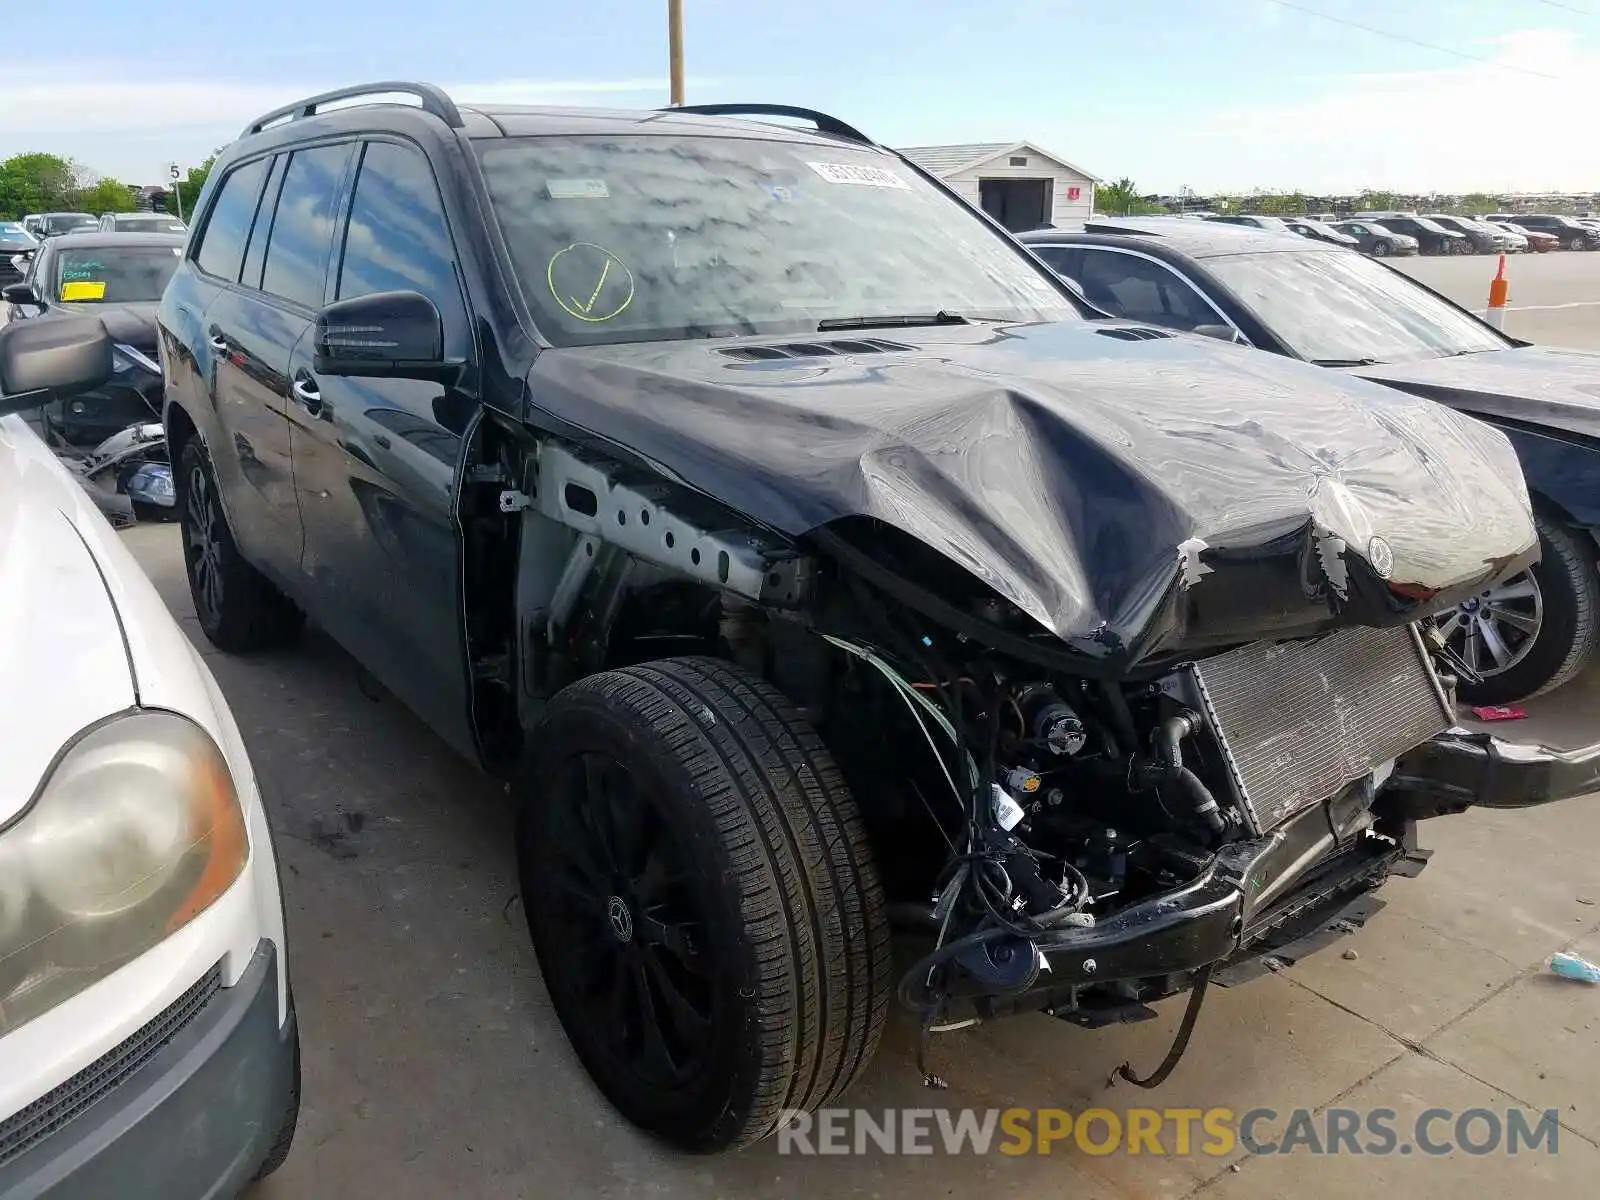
point(589, 282)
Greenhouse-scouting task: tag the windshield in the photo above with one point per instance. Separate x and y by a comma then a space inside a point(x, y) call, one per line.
point(1341, 307)
point(625, 239)
point(115, 274)
point(159, 223)
point(62, 224)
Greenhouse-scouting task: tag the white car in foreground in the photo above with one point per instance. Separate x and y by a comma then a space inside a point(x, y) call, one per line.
point(148, 1042)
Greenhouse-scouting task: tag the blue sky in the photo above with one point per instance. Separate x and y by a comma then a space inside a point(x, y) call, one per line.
point(1231, 94)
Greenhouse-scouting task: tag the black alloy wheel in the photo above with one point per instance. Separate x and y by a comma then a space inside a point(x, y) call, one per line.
point(702, 898)
point(617, 889)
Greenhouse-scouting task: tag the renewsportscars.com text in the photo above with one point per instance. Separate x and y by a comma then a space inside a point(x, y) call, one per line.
point(1216, 1132)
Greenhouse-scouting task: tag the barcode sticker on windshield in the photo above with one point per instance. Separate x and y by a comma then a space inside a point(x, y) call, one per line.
point(853, 173)
point(577, 189)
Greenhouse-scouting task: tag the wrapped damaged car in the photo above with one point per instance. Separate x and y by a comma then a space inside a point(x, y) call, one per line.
point(800, 554)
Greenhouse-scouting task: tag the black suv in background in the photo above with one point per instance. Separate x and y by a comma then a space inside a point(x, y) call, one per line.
point(1574, 234)
point(1485, 239)
point(1431, 236)
point(679, 467)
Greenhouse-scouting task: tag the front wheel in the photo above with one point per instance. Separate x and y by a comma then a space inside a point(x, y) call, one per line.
point(1535, 631)
point(1381, 249)
point(704, 905)
point(1577, 243)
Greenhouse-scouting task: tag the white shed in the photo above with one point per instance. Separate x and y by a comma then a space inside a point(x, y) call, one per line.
point(1016, 183)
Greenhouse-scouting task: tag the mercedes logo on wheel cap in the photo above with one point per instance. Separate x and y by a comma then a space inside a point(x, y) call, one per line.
point(1381, 556)
point(621, 919)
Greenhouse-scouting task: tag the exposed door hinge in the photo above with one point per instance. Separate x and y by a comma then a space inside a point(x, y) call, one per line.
point(512, 501)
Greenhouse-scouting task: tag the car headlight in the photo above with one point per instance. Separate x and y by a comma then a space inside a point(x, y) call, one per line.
point(136, 830)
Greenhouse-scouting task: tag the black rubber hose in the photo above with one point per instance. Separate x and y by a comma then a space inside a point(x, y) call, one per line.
point(1165, 766)
point(1200, 797)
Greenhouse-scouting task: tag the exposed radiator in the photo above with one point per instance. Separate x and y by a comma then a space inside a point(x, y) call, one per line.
point(1298, 721)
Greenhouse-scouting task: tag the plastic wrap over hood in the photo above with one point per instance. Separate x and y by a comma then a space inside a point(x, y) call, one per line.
point(1131, 490)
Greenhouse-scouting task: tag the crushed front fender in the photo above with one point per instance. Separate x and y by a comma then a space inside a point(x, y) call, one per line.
point(1462, 769)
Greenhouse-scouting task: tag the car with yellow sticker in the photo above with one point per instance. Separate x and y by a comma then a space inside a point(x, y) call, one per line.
point(800, 551)
point(118, 277)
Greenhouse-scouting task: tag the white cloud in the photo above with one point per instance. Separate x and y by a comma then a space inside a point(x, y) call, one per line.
point(1476, 126)
point(129, 127)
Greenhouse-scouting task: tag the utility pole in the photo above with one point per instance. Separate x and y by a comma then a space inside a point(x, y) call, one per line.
point(675, 49)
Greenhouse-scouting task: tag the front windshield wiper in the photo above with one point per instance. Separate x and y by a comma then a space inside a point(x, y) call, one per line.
point(1346, 362)
point(893, 320)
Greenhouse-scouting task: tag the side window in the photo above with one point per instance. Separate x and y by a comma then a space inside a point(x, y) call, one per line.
point(302, 225)
point(256, 254)
point(228, 226)
point(398, 239)
point(1055, 257)
point(1141, 290)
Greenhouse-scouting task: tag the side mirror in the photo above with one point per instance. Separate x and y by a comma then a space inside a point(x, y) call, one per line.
point(387, 335)
point(41, 361)
point(1223, 333)
point(21, 293)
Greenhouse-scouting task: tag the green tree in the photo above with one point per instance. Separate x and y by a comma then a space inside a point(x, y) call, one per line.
point(188, 189)
point(107, 195)
point(1477, 202)
point(1371, 201)
point(1123, 197)
point(1282, 204)
point(35, 183)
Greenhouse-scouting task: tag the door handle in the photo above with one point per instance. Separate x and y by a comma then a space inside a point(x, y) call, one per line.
point(219, 344)
point(307, 394)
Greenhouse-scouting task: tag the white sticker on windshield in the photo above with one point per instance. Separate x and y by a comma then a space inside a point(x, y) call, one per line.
point(577, 189)
point(854, 173)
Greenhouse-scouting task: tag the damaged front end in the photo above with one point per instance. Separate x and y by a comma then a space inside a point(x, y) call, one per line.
point(1134, 688)
point(1110, 839)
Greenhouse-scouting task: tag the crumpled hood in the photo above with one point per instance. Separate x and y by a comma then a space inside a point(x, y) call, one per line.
point(1129, 495)
point(128, 324)
point(1540, 385)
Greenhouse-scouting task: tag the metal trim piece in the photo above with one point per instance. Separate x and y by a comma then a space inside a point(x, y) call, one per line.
point(640, 520)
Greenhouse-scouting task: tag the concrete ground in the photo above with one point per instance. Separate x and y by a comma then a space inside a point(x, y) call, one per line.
point(1553, 298)
point(434, 1065)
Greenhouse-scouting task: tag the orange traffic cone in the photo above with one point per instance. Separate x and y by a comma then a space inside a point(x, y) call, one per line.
point(1496, 314)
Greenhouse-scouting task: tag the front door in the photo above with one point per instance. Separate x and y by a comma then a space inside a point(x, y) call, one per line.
point(375, 460)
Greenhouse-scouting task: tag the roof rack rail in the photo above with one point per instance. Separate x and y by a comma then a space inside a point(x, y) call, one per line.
point(434, 100)
point(823, 122)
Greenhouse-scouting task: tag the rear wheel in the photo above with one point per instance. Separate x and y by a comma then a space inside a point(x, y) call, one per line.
point(239, 609)
point(699, 889)
point(1534, 631)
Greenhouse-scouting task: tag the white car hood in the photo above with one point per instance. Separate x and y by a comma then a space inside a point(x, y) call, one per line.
point(64, 663)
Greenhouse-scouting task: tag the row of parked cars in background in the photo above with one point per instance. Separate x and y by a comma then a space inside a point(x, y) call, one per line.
point(1400, 233)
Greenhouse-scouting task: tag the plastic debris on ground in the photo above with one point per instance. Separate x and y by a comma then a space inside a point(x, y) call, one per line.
point(1499, 712)
point(1570, 966)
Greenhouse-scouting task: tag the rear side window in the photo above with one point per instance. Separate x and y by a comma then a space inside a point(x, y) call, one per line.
point(397, 239)
point(222, 245)
point(302, 226)
point(1141, 290)
point(257, 252)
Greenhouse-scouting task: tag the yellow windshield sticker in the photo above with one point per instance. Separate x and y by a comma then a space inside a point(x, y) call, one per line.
point(83, 289)
point(589, 282)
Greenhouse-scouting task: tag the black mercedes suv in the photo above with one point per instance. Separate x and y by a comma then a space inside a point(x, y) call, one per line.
point(788, 537)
